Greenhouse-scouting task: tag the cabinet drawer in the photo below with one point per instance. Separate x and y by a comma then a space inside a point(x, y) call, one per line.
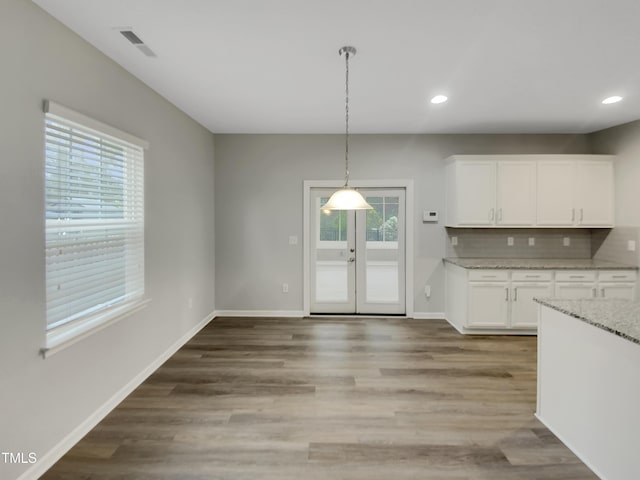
point(575, 276)
point(617, 276)
point(530, 276)
point(489, 275)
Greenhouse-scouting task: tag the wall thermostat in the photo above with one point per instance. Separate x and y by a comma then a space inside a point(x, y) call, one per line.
point(429, 216)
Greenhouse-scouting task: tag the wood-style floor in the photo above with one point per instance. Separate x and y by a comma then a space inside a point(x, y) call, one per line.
point(370, 399)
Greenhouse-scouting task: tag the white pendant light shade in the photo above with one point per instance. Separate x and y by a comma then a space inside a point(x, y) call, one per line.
point(346, 199)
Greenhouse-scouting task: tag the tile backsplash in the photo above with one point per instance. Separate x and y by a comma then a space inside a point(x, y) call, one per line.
point(492, 243)
point(611, 245)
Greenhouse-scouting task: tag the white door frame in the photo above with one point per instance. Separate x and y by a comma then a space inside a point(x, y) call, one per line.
point(407, 185)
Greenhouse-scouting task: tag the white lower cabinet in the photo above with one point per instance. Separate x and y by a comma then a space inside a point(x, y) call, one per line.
point(505, 305)
point(574, 291)
point(494, 300)
point(592, 284)
point(488, 305)
point(524, 311)
point(617, 284)
point(617, 290)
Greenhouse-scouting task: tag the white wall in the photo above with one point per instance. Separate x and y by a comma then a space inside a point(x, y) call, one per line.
point(259, 188)
point(624, 142)
point(41, 401)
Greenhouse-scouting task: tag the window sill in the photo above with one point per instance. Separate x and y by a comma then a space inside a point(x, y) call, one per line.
point(60, 338)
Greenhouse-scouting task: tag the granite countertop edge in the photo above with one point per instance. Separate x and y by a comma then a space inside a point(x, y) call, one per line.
point(536, 264)
point(615, 310)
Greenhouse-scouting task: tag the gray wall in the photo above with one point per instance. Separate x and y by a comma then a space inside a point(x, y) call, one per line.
point(624, 142)
point(259, 193)
point(41, 401)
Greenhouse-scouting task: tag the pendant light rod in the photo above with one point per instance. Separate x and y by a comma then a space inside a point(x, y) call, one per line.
point(346, 198)
point(346, 52)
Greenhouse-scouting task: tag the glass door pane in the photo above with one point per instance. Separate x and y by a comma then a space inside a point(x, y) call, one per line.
point(380, 240)
point(332, 272)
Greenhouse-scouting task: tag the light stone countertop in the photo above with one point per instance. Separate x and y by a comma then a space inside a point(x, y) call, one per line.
point(536, 264)
point(620, 317)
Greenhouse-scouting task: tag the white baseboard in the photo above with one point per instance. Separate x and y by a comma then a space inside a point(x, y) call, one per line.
point(492, 331)
point(428, 316)
point(52, 456)
point(259, 313)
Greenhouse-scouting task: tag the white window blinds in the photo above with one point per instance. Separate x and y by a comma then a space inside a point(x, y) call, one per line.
point(94, 193)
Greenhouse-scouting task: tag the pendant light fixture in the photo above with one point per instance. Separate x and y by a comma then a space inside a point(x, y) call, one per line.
point(346, 198)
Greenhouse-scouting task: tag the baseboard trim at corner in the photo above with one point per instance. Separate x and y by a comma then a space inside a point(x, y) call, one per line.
point(428, 316)
point(52, 456)
point(260, 313)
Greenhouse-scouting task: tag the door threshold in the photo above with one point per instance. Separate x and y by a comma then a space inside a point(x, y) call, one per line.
point(358, 315)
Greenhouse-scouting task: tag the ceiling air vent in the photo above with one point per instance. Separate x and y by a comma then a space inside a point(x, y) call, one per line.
point(135, 40)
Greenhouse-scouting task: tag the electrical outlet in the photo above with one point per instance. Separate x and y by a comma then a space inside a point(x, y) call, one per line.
point(427, 291)
point(285, 288)
point(566, 241)
point(454, 241)
point(510, 241)
point(532, 241)
point(631, 245)
point(293, 240)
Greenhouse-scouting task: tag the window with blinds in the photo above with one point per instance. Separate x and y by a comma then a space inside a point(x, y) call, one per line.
point(94, 193)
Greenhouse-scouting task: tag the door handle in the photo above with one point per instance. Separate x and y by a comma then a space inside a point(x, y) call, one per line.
point(352, 250)
point(602, 292)
point(506, 294)
point(573, 214)
point(581, 214)
point(351, 259)
point(500, 214)
point(515, 294)
point(491, 214)
point(594, 292)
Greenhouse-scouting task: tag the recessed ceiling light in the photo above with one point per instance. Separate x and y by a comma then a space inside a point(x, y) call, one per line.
point(613, 99)
point(439, 99)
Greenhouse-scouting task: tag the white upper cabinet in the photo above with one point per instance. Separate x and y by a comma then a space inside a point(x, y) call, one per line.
point(516, 202)
point(475, 184)
point(593, 198)
point(530, 190)
point(482, 191)
point(555, 193)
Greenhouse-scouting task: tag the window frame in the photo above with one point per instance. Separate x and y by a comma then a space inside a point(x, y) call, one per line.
point(64, 332)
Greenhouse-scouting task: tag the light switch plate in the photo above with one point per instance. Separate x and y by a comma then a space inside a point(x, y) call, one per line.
point(510, 241)
point(631, 245)
point(566, 241)
point(454, 241)
point(532, 241)
point(293, 240)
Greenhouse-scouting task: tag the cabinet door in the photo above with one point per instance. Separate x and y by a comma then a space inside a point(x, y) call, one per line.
point(476, 192)
point(594, 194)
point(618, 290)
point(516, 202)
point(555, 193)
point(524, 311)
point(575, 290)
point(488, 305)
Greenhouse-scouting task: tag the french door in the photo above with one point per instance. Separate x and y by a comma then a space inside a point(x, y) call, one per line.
point(357, 258)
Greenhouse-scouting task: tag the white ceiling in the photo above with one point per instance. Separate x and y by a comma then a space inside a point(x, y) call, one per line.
point(272, 66)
